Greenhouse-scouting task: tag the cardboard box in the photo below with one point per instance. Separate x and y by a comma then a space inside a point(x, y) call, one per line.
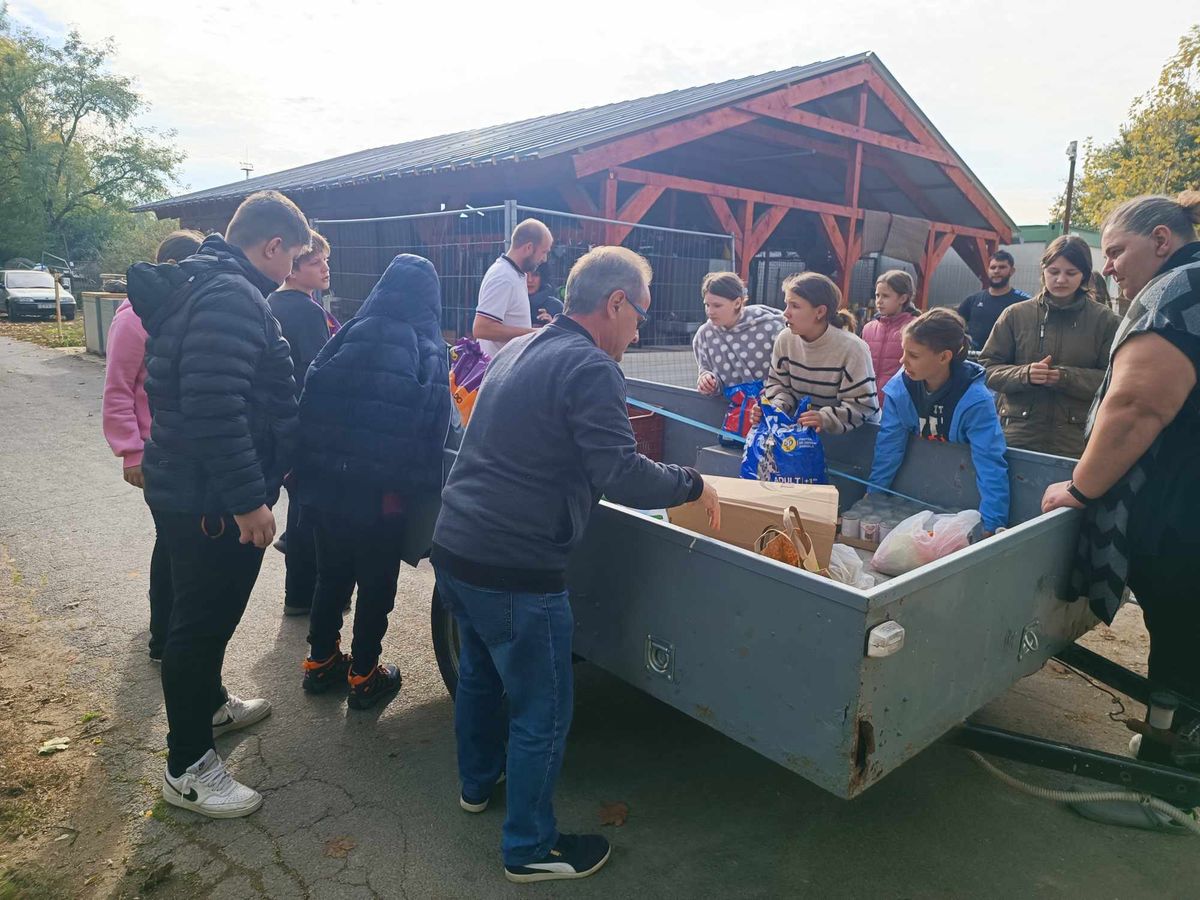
point(747, 507)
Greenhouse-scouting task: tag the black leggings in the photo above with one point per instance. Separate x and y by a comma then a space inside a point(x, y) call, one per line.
point(1166, 589)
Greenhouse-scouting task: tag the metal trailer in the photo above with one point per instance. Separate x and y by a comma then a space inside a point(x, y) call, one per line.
point(775, 658)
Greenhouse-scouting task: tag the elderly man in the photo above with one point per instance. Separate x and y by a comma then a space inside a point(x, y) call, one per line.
point(502, 312)
point(549, 436)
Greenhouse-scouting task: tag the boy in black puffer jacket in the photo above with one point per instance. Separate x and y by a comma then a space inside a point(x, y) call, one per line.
point(223, 407)
point(373, 421)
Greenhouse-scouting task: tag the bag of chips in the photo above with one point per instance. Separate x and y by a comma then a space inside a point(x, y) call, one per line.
point(468, 363)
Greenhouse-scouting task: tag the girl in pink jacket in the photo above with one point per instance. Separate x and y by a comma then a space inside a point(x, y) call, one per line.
point(894, 292)
point(126, 418)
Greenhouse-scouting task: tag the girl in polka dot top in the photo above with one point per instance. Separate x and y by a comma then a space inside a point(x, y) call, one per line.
point(734, 346)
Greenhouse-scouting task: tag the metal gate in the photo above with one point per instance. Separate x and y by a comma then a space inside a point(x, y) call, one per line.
point(463, 243)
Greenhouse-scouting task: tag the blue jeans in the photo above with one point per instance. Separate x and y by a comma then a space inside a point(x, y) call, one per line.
point(519, 645)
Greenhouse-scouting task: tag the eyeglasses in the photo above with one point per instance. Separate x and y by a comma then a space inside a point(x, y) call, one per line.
point(642, 315)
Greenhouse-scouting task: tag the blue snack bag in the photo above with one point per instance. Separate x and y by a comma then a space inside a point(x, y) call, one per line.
point(778, 449)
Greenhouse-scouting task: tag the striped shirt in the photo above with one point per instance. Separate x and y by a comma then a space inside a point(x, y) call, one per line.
point(835, 372)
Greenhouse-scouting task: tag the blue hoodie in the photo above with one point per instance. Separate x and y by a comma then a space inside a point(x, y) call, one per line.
point(970, 410)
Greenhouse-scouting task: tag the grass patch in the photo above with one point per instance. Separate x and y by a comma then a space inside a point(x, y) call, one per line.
point(160, 809)
point(31, 883)
point(45, 333)
point(89, 717)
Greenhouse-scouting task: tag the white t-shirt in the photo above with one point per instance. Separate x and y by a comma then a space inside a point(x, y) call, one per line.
point(504, 297)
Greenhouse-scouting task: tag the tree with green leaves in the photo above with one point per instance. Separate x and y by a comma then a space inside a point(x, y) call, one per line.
point(73, 158)
point(1157, 151)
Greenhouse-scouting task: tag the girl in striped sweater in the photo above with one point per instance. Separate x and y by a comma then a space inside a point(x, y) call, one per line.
point(816, 358)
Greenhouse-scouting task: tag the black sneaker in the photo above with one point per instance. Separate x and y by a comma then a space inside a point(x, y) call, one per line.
point(290, 610)
point(322, 674)
point(574, 856)
point(367, 690)
point(156, 654)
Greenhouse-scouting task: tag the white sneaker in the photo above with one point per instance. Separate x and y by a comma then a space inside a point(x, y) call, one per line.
point(237, 713)
point(208, 788)
point(1135, 744)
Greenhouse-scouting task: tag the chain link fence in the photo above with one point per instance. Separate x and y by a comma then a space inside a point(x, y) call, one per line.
point(463, 243)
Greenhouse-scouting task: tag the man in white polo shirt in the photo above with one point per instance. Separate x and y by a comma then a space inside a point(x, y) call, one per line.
point(503, 309)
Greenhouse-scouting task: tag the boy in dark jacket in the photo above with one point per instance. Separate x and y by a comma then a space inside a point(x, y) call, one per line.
point(306, 327)
point(373, 422)
point(223, 407)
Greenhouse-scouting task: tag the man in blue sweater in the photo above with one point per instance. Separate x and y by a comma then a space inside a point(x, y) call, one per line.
point(549, 436)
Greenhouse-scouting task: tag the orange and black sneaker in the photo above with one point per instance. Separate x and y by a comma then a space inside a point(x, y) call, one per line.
point(367, 690)
point(322, 674)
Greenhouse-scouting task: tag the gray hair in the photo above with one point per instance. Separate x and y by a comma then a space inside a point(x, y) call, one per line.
point(1142, 215)
point(601, 271)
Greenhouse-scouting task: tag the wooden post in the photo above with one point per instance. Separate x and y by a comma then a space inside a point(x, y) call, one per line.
point(744, 251)
point(610, 206)
point(853, 186)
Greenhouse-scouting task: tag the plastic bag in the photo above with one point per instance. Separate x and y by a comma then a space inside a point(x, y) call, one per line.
point(846, 567)
point(468, 363)
point(777, 449)
point(742, 398)
point(923, 538)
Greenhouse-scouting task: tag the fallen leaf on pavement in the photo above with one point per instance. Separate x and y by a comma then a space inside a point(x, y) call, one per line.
point(614, 814)
point(339, 847)
point(54, 745)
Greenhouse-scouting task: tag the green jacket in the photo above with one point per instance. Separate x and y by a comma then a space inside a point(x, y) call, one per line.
point(1078, 338)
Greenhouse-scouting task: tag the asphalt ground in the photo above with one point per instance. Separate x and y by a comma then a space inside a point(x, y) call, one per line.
point(364, 804)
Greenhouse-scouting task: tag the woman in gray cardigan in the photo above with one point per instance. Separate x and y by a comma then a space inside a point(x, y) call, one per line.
point(734, 345)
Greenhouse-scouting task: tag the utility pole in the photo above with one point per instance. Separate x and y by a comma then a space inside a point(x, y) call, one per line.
point(1072, 152)
point(247, 166)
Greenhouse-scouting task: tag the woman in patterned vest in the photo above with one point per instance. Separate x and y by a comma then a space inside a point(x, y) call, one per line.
point(1137, 478)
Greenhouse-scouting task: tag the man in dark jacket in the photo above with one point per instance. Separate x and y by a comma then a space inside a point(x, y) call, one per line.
point(223, 405)
point(549, 436)
point(306, 328)
point(980, 311)
point(373, 422)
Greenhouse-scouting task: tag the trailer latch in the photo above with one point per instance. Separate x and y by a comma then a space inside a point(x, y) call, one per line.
point(660, 657)
point(885, 639)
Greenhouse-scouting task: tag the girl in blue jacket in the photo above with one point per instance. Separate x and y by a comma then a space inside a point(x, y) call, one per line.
point(941, 396)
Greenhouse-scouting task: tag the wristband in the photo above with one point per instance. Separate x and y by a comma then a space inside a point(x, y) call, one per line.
point(1079, 495)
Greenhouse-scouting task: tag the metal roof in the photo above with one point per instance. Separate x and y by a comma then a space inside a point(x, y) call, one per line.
point(530, 139)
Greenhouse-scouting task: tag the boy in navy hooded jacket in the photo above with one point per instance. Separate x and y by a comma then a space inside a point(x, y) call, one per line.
point(941, 396)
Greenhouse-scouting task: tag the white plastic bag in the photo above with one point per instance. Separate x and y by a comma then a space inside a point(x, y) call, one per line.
point(923, 538)
point(846, 567)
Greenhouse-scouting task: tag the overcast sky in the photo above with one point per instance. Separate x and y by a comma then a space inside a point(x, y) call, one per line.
point(1008, 84)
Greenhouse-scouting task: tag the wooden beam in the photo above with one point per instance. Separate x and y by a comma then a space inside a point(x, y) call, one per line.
point(952, 167)
point(833, 232)
point(747, 227)
point(762, 130)
point(853, 187)
point(718, 194)
point(655, 141)
point(854, 132)
point(578, 200)
point(635, 208)
point(936, 249)
point(610, 207)
point(816, 88)
point(720, 208)
point(645, 143)
point(764, 227)
point(709, 188)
